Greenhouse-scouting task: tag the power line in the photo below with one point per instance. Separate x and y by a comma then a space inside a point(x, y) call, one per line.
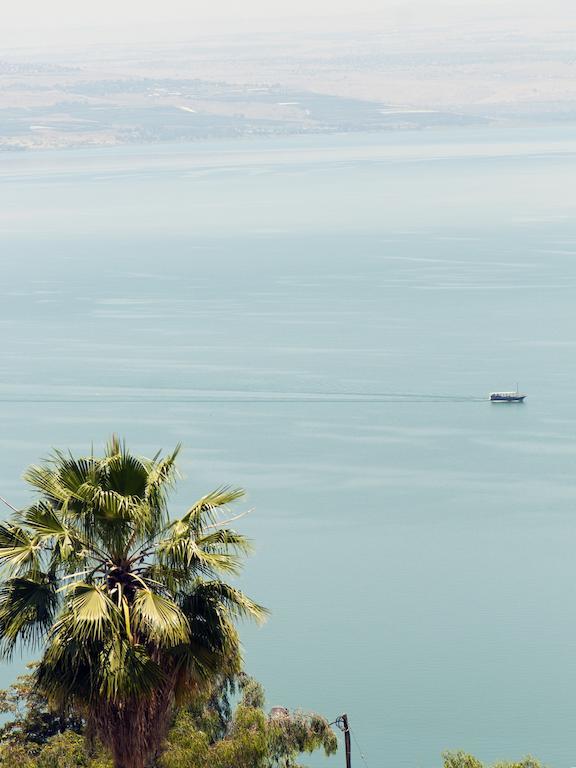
point(359, 747)
point(343, 724)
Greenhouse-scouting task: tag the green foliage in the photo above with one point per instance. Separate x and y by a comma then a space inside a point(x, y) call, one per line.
point(16, 755)
point(187, 746)
point(526, 762)
point(66, 750)
point(37, 736)
point(294, 734)
point(252, 692)
point(249, 738)
point(32, 720)
point(462, 759)
point(246, 746)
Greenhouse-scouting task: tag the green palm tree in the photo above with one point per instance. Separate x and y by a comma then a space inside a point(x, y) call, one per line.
point(126, 605)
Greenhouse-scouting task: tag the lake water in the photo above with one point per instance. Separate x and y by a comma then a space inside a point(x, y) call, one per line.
point(319, 320)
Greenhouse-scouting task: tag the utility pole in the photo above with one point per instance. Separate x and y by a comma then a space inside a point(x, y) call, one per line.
point(342, 723)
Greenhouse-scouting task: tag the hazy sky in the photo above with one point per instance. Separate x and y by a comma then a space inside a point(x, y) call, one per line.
point(55, 22)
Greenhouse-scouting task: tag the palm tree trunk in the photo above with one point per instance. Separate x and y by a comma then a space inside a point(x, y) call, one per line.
point(134, 730)
point(121, 763)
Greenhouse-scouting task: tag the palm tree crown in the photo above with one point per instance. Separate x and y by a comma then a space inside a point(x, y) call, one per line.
point(127, 606)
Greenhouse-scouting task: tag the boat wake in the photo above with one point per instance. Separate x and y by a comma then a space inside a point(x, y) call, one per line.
point(245, 396)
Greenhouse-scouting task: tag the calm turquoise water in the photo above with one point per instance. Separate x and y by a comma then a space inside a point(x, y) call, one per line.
point(319, 320)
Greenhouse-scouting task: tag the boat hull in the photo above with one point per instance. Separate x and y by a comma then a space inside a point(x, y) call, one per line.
point(507, 398)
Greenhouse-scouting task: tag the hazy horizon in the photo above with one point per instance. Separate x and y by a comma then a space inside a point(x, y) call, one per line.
point(67, 23)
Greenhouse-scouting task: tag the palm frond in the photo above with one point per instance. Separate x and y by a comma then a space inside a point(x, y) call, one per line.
point(204, 511)
point(232, 600)
point(227, 539)
point(189, 545)
point(18, 550)
point(182, 551)
point(159, 619)
point(27, 609)
point(66, 669)
point(125, 672)
point(45, 480)
point(161, 476)
point(161, 576)
point(126, 474)
point(214, 638)
point(211, 608)
point(89, 615)
point(73, 472)
point(47, 526)
point(114, 446)
point(105, 502)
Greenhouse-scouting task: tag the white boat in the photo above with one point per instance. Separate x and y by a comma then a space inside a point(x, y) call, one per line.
point(507, 397)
